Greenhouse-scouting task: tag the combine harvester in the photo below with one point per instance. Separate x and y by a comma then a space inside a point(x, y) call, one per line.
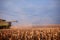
point(5, 24)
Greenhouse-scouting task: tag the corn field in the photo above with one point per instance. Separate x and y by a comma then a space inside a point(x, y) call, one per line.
point(30, 34)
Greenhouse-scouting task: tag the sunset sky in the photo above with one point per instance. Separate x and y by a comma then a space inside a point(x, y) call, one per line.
point(31, 11)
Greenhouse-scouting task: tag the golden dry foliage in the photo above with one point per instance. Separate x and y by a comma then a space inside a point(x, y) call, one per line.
point(30, 34)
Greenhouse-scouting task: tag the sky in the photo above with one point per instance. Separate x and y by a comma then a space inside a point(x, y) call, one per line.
point(31, 11)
